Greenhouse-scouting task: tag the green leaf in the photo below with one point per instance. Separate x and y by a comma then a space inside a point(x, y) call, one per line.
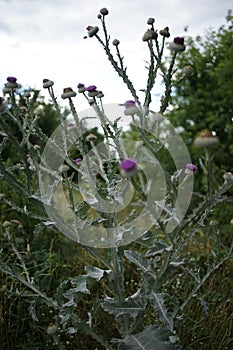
point(157, 301)
point(94, 272)
point(80, 284)
point(128, 307)
point(151, 338)
point(158, 248)
point(137, 259)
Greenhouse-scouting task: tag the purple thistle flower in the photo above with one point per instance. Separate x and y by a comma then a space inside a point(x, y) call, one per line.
point(190, 168)
point(128, 164)
point(129, 103)
point(91, 88)
point(178, 40)
point(11, 79)
point(78, 160)
point(80, 85)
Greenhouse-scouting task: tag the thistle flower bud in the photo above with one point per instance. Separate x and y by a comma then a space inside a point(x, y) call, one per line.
point(116, 42)
point(2, 196)
point(130, 108)
point(228, 176)
point(47, 83)
point(100, 94)
point(165, 32)
point(92, 31)
point(68, 93)
point(104, 11)
point(206, 139)
point(91, 137)
point(151, 21)
point(11, 83)
point(52, 329)
point(177, 44)
point(150, 34)
point(188, 70)
point(81, 88)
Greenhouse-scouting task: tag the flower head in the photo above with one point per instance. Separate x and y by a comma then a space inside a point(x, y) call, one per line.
point(68, 93)
point(228, 176)
point(130, 108)
point(92, 31)
point(100, 94)
point(81, 87)
point(11, 83)
point(165, 32)
point(91, 88)
point(78, 160)
point(188, 70)
point(177, 44)
point(92, 92)
point(206, 139)
point(190, 168)
point(104, 11)
point(91, 137)
point(47, 83)
point(150, 34)
point(151, 21)
point(128, 167)
point(52, 329)
point(116, 42)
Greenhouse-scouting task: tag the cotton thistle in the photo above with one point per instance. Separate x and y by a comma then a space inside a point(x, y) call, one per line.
point(177, 44)
point(92, 31)
point(104, 11)
point(228, 176)
point(47, 83)
point(92, 91)
point(81, 88)
point(52, 329)
point(78, 160)
point(11, 83)
point(128, 167)
point(190, 169)
point(151, 21)
point(165, 32)
point(188, 70)
point(150, 34)
point(206, 139)
point(91, 137)
point(68, 93)
point(130, 108)
point(116, 42)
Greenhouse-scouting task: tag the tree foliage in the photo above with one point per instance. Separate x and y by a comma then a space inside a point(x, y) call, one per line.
point(204, 99)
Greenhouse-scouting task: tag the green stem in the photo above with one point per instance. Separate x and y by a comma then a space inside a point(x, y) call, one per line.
point(168, 84)
point(209, 171)
point(121, 72)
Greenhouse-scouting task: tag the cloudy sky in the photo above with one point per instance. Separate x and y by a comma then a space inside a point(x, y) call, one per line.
point(44, 39)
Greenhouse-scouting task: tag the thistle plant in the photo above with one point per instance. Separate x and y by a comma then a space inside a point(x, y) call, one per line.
point(105, 187)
